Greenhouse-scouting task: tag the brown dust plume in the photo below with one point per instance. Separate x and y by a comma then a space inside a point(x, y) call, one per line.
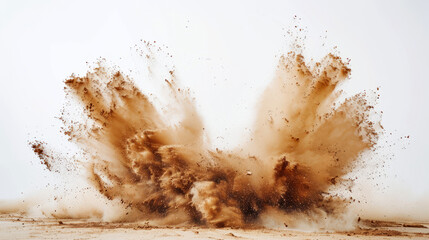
point(305, 141)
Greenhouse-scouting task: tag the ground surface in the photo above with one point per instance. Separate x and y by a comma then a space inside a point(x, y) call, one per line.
point(17, 227)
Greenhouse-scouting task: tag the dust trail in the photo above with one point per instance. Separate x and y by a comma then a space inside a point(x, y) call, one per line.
point(305, 140)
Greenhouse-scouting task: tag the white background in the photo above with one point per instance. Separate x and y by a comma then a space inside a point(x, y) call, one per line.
point(226, 52)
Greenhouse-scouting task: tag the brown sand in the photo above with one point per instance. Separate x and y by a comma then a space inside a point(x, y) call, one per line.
point(18, 227)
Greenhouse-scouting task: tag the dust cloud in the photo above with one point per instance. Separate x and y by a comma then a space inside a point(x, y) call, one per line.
point(305, 140)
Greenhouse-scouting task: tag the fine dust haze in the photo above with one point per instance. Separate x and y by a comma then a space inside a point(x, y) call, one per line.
point(305, 140)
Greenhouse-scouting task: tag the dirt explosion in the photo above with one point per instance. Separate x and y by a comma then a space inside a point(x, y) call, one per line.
point(305, 140)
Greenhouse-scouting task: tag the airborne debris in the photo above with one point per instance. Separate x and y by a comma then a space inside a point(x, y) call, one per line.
point(301, 145)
